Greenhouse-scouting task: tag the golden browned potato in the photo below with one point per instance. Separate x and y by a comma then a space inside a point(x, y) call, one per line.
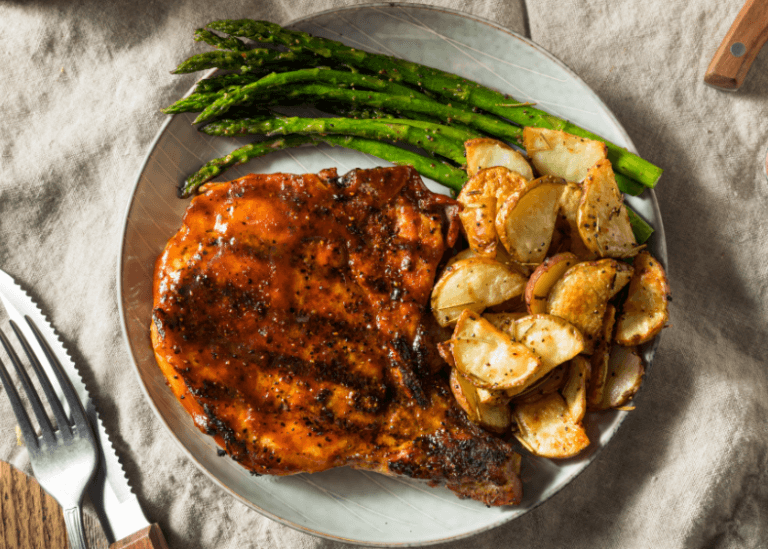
point(464, 393)
point(478, 219)
point(547, 429)
point(473, 283)
point(568, 211)
point(445, 350)
point(487, 409)
point(488, 357)
point(485, 152)
point(543, 278)
point(551, 382)
point(625, 375)
point(502, 256)
point(480, 197)
point(599, 360)
point(552, 338)
point(645, 310)
point(526, 220)
point(575, 390)
point(504, 322)
point(494, 417)
point(561, 154)
point(582, 293)
point(602, 218)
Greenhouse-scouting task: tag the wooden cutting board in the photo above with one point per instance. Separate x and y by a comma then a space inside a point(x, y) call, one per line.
point(30, 518)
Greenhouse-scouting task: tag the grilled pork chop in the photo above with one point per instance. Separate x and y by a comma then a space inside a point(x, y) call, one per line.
point(291, 321)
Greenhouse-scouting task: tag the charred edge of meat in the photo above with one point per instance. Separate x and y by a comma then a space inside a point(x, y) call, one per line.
point(410, 379)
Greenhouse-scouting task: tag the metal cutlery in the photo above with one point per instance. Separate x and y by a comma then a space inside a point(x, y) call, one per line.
point(63, 460)
point(116, 505)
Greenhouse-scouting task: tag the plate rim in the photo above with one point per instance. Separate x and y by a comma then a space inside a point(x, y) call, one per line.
point(660, 235)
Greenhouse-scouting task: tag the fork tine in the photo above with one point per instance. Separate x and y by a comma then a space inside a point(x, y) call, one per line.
point(27, 431)
point(75, 406)
point(45, 383)
point(46, 429)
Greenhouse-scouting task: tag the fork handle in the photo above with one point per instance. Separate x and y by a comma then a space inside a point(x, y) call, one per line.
point(73, 518)
point(150, 537)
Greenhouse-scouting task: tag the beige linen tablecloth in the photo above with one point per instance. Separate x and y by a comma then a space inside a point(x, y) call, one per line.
point(81, 87)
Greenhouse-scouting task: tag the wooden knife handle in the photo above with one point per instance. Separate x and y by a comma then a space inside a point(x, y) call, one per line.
point(740, 46)
point(149, 538)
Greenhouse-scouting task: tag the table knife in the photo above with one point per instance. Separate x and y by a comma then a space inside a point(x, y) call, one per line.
point(738, 50)
point(118, 507)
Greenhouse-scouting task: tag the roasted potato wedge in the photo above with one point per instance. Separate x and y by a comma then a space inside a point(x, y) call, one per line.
point(482, 194)
point(491, 397)
point(575, 390)
point(557, 153)
point(514, 305)
point(547, 429)
point(602, 218)
point(582, 293)
point(543, 278)
point(502, 256)
point(498, 181)
point(526, 220)
point(600, 359)
point(504, 322)
point(473, 283)
point(488, 357)
point(645, 310)
point(478, 219)
point(488, 153)
point(549, 383)
point(552, 338)
point(463, 254)
point(489, 410)
point(495, 417)
point(625, 375)
point(445, 350)
point(464, 393)
point(569, 211)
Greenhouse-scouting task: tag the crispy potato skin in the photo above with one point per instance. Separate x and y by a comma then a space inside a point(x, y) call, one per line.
point(481, 197)
point(485, 152)
point(291, 320)
point(602, 218)
point(543, 278)
point(554, 152)
point(581, 295)
point(646, 309)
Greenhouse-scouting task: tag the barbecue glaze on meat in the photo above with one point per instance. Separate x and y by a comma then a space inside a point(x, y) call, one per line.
point(291, 320)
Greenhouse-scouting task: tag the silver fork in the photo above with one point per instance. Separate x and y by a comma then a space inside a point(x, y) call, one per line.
point(64, 461)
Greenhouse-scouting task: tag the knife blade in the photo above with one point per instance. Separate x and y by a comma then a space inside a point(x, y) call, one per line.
point(739, 47)
point(117, 506)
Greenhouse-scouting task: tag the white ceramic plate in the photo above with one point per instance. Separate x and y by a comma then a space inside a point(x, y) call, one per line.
point(344, 504)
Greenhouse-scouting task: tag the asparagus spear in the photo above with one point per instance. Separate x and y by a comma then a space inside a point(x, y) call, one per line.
point(344, 125)
point(378, 100)
point(246, 60)
point(247, 93)
point(235, 89)
point(442, 173)
point(430, 137)
point(196, 102)
point(237, 157)
point(443, 83)
point(640, 228)
point(222, 43)
point(448, 114)
point(453, 178)
point(216, 83)
point(370, 113)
